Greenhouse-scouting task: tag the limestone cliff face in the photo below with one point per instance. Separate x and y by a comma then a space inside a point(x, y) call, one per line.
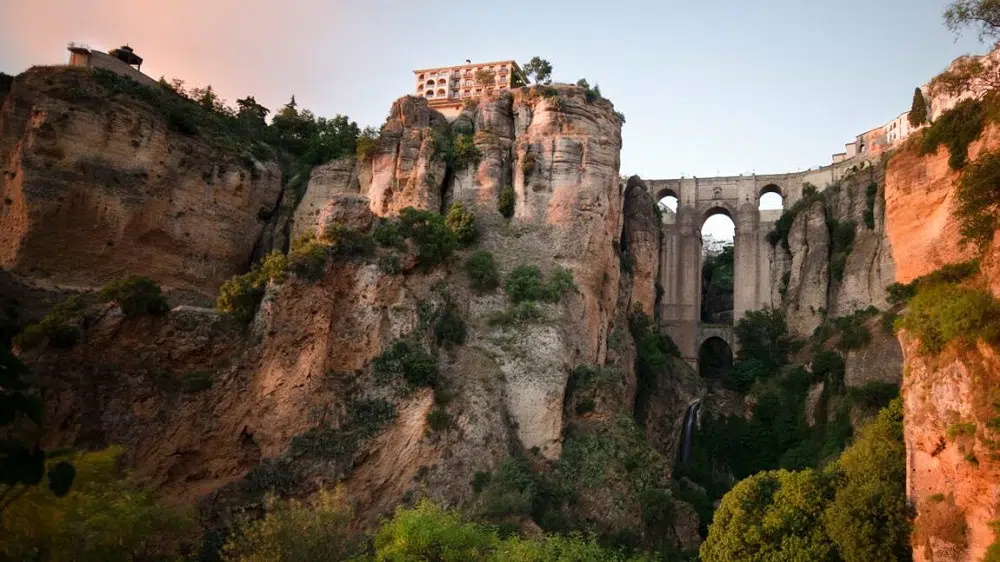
point(808, 282)
point(641, 245)
point(407, 169)
point(949, 399)
point(309, 351)
point(953, 390)
point(869, 266)
point(96, 186)
point(813, 289)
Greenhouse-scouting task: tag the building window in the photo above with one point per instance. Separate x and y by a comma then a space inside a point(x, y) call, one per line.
point(430, 82)
point(421, 77)
point(441, 92)
point(429, 93)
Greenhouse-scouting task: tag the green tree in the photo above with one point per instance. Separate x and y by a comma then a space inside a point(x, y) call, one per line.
point(763, 337)
point(918, 110)
point(772, 516)
point(869, 518)
point(982, 15)
point(252, 113)
point(313, 531)
point(428, 532)
point(539, 70)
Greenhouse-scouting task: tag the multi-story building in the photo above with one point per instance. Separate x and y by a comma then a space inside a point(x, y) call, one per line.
point(447, 88)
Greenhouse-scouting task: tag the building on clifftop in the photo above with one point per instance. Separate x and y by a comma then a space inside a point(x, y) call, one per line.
point(122, 60)
point(447, 88)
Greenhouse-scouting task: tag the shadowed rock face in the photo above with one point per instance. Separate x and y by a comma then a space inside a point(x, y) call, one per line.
point(641, 244)
point(97, 187)
point(808, 243)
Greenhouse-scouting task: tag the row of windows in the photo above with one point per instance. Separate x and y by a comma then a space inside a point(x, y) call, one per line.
point(502, 69)
point(455, 93)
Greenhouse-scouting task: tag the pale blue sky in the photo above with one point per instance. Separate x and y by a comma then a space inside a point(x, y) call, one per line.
point(710, 87)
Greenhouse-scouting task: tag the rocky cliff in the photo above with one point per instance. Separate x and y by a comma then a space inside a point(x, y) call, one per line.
point(214, 413)
point(98, 184)
point(949, 397)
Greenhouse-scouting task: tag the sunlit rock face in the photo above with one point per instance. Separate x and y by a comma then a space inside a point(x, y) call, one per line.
point(97, 187)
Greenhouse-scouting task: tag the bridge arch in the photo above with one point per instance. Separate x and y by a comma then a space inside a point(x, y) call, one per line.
point(771, 198)
point(715, 358)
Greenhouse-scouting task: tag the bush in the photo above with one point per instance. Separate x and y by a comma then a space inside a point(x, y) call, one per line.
point(240, 296)
point(390, 264)
point(428, 532)
point(559, 283)
point(978, 197)
point(560, 548)
point(136, 295)
point(57, 326)
point(428, 230)
point(524, 283)
point(956, 129)
point(482, 271)
point(438, 419)
point(516, 314)
point(942, 313)
point(874, 395)
point(308, 256)
point(506, 202)
point(465, 152)
point(407, 360)
point(461, 223)
point(829, 365)
point(365, 419)
point(295, 530)
point(387, 233)
point(763, 336)
point(449, 328)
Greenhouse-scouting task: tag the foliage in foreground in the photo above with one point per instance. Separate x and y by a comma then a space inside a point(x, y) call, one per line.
point(855, 510)
point(106, 516)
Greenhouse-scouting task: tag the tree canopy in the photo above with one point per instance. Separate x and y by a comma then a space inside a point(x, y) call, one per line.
point(855, 510)
point(981, 15)
point(918, 110)
point(538, 70)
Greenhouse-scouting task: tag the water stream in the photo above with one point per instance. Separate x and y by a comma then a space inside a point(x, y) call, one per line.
point(689, 420)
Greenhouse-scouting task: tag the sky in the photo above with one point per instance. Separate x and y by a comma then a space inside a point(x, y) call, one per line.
point(716, 87)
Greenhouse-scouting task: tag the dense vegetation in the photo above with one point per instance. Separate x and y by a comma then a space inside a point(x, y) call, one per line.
point(854, 510)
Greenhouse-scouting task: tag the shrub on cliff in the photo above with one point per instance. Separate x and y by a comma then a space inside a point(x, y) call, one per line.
point(136, 295)
point(978, 199)
point(525, 283)
point(506, 202)
point(429, 532)
point(461, 223)
point(58, 327)
point(408, 361)
point(429, 231)
point(482, 271)
point(240, 296)
point(918, 109)
point(956, 129)
point(942, 313)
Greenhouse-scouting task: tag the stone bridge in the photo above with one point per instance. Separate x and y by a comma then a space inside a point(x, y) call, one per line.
point(737, 197)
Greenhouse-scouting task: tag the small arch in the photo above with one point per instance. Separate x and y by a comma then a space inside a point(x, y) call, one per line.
point(667, 199)
point(441, 92)
point(715, 358)
point(430, 83)
point(442, 82)
point(770, 198)
point(429, 93)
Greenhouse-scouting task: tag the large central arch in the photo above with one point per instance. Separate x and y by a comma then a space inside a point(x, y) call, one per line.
point(737, 197)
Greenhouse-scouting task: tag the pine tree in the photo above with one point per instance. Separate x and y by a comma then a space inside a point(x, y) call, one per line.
point(918, 111)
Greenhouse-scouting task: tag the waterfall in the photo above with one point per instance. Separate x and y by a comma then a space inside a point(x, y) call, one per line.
point(689, 419)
